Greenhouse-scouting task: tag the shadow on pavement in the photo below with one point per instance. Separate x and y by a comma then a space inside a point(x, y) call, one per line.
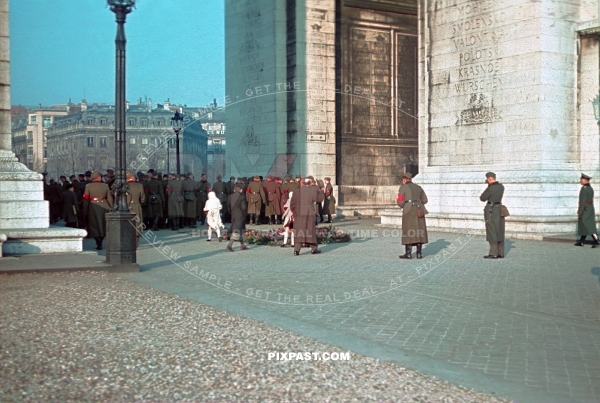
point(508, 246)
point(596, 272)
point(434, 248)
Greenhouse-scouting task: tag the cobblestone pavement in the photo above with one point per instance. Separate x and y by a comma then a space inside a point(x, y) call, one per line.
point(526, 327)
point(94, 337)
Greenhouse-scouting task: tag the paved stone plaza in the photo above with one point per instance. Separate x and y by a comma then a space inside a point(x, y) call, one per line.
point(526, 327)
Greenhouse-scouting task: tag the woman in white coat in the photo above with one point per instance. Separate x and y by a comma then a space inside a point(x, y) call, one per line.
point(212, 209)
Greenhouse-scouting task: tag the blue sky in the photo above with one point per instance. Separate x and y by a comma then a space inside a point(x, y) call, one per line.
point(63, 49)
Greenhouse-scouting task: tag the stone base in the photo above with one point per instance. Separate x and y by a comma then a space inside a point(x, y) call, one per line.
point(125, 268)
point(361, 210)
point(524, 227)
point(45, 240)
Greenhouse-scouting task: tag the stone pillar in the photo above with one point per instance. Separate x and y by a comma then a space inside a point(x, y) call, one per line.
point(498, 91)
point(24, 214)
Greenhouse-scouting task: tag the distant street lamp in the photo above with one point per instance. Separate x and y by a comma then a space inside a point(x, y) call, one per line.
point(177, 123)
point(596, 104)
point(121, 230)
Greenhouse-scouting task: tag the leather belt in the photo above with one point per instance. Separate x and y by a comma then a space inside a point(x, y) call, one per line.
point(589, 202)
point(98, 198)
point(413, 201)
point(494, 203)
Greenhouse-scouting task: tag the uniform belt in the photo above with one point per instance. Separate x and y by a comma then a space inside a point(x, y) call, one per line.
point(494, 203)
point(589, 202)
point(255, 193)
point(97, 198)
point(413, 201)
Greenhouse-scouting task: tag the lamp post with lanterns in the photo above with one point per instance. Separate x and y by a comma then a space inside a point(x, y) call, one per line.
point(120, 224)
point(177, 123)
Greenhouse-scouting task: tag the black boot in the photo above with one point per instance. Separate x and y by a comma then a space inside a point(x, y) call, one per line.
point(98, 242)
point(191, 222)
point(258, 219)
point(174, 225)
point(419, 254)
point(328, 219)
point(321, 217)
point(596, 243)
point(155, 224)
point(407, 253)
point(181, 221)
point(272, 218)
point(581, 241)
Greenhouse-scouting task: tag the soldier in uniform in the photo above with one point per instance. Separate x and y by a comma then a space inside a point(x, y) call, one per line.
point(412, 198)
point(494, 222)
point(156, 200)
point(201, 197)
point(228, 191)
point(189, 187)
point(586, 225)
point(302, 207)
point(273, 199)
point(97, 199)
point(143, 180)
point(255, 196)
point(165, 183)
point(329, 202)
point(174, 201)
point(136, 197)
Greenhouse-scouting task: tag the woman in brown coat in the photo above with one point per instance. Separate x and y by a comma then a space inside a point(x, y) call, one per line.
point(96, 202)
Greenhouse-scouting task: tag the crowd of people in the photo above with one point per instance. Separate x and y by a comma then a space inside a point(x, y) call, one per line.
point(172, 201)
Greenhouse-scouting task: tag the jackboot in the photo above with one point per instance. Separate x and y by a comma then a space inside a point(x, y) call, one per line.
point(419, 248)
point(155, 224)
point(98, 240)
point(596, 243)
point(174, 225)
point(581, 241)
point(407, 253)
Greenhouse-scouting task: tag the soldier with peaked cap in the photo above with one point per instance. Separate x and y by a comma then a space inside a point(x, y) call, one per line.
point(273, 198)
point(97, 199)
point(494, 222)
point(411, 199)
point(174, 202)
point(329, 202)
point(586, 224)
point(201, 198)
point(255, 196)
point(302, 207)
point(136, 197)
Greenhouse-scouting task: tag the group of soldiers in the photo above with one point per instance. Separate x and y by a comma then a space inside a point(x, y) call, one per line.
point(412, 198)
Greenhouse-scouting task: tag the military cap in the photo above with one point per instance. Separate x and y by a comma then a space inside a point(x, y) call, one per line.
point(88, 173)
point(288, 177)
point(327, 178)
point(490, 175)
point(44, 173)
point(256, 177)
point(584, 176)
point(407, 175)
point(151, 171)
point(110, 170)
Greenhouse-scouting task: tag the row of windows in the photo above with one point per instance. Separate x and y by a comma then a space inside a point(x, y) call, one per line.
point(131, 122)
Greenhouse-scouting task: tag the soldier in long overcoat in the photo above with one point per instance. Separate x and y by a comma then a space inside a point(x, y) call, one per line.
point(189, 187)
point(175, 201)
point(156, 200)
point(220, 189)
point(586, 224)
point(329, 202)
point(302, 205)
point(255, 196)
point(97, 199)
point(412, 198)
point(136, 197)
point(273, 199)
point(201, 198)
point(494, 222)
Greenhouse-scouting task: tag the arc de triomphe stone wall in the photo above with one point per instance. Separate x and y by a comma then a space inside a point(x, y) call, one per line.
point(506, 86)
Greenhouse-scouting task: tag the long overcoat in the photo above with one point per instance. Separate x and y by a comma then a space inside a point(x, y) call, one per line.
point(414, 229)
point(175, 198)
point(97, 199)
point(302, 206)
point(189, 187)
point(255, 196)
point(237, 205)
point(70, 206)
point(494, 223)
point(136, 196)
point(587, 224)
point(155, 209)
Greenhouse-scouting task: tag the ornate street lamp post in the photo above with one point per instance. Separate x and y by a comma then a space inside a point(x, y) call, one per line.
point(177, 123)
point(121, 229)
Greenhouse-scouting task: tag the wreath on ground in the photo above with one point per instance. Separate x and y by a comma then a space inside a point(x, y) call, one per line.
point(274, 237)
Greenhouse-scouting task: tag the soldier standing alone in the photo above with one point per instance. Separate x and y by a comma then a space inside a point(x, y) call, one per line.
point(411, 198)
point(586, 225)
point(494, 222)
point(97, 199)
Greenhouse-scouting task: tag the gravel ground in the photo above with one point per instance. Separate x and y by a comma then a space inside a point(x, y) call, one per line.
point(93, 337)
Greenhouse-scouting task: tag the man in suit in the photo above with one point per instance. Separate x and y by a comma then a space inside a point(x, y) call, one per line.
point(586, 224)
point(494, 222)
